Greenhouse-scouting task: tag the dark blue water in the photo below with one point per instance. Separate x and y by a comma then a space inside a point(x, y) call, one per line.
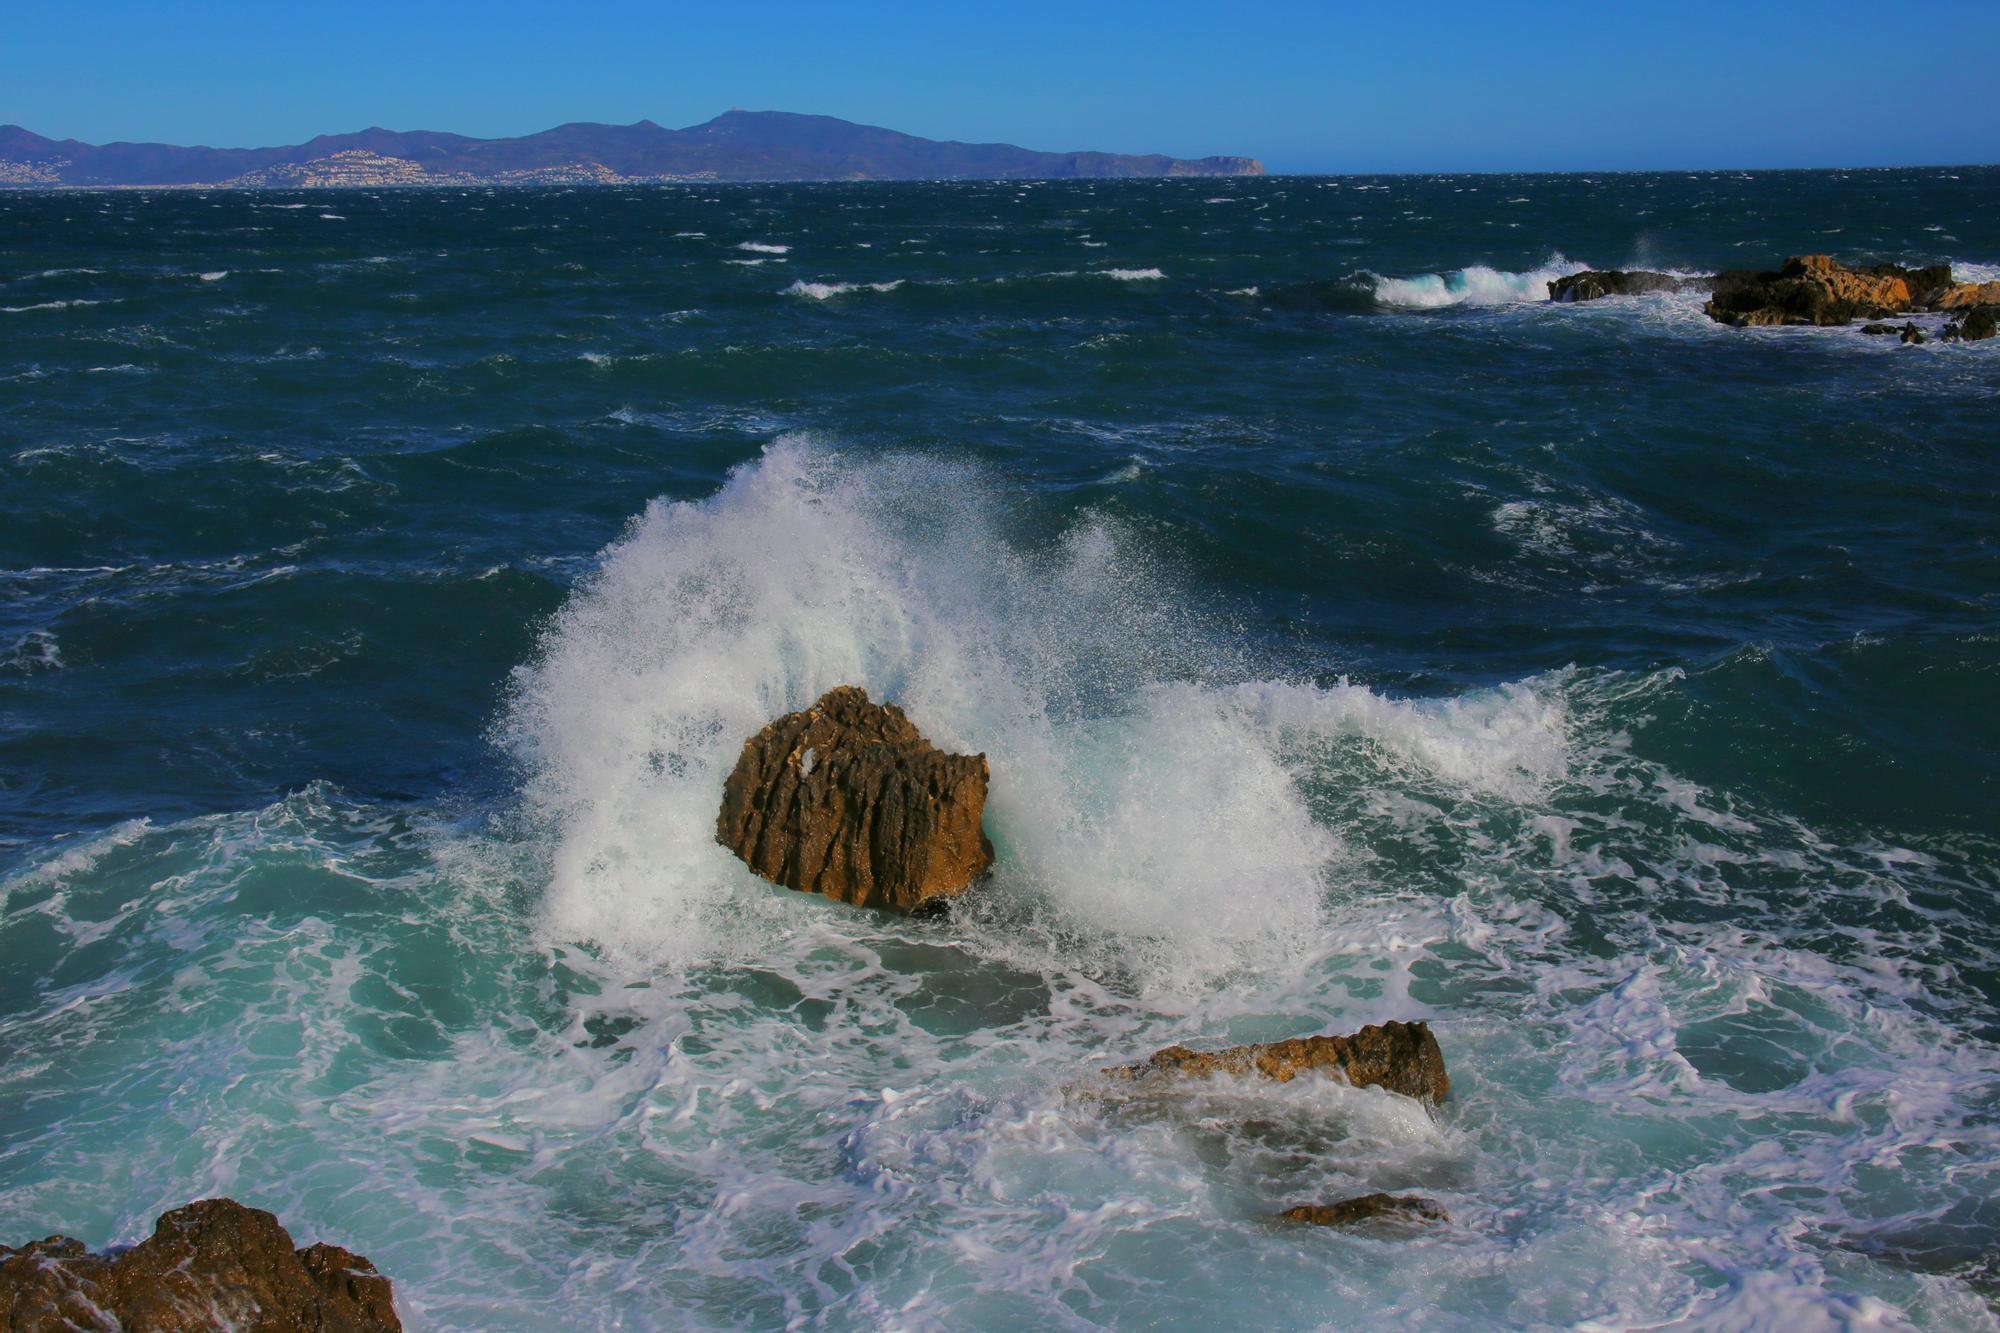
point(1354, 635)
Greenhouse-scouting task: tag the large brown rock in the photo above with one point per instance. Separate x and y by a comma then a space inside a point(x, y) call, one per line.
point(1406, 1208)
point(848, 799)
point(211, 1265)
point(1809, 289)
point(1595, 283)
point(1402, 1057)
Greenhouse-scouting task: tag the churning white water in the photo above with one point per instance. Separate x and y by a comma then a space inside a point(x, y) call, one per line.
point(578, 1059)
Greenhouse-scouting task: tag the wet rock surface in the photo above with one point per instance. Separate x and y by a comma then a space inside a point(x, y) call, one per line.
point(847, 799)
point(1409, 1209)
point(211, 1265)
point(1591, 285)
point(1976, 325)
point(1402, 1057)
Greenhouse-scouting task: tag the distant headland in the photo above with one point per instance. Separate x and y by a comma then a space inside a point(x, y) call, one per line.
point(735, 146)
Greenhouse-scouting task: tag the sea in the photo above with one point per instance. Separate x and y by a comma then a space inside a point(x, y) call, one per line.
point(389, 578)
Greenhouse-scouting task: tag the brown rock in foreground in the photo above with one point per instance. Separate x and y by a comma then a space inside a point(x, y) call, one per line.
point(848, 799)
point(1368, 1208)
point(1402, 1057)
point(211, 1265)
point(1815, 289)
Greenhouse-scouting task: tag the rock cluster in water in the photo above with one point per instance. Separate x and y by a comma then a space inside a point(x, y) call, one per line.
point(847, 799)
point(1813, 289)
point(1817, 289)
point(211, 1265)
point(1402, 1057)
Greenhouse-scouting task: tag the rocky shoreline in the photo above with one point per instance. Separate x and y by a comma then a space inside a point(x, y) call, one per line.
point(1815, 290)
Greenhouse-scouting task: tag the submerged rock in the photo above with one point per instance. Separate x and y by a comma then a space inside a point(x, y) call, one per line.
point(847, 799)
point(1590, 285)
point(1402, 1057)
point(211, 1265)
point(1907, 331)
point(1809, 289)
point(1368, 1208)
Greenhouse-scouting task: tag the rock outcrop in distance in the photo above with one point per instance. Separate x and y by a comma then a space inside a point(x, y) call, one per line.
point(1402, 1057)
point(1812, 289)
point(847, 799)
point(1817, 289)
point(735, 146)
point(209, 1266)
point(1405, 1208)
point(1593, 284)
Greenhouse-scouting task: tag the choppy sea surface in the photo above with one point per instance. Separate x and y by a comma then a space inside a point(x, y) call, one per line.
point(388, 578)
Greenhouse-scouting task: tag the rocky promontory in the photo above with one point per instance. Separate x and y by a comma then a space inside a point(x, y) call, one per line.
point(847, 799)
point(213, 1265)
point(1812, 289)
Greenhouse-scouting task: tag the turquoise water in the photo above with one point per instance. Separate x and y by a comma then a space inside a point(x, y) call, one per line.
point(390, 577)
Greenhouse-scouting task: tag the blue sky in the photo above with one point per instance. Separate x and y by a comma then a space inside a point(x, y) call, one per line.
point(1306, 87)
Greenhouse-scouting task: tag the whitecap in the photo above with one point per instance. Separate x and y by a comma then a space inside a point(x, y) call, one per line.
point(50, 305)
point(821, 291)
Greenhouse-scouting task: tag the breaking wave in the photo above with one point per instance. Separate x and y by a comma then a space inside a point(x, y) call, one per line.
point(1138, 760)
point(822, 291)
point(1476, 285)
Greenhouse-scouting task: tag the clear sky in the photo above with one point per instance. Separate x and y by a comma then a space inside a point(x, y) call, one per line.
point(1412, 86)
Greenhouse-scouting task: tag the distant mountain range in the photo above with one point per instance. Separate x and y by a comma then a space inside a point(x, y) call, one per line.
point(736, 146)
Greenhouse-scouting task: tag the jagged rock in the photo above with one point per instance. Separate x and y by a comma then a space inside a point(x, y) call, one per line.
point(1926, 284)
point(848, 799)
point(1410, 1208)
point(1913, 336)
point(1402, 1057)
point(211, 1265)
point(1809, 289)
point(1591, 285)
point(1963, 295)
point(1980, 322)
